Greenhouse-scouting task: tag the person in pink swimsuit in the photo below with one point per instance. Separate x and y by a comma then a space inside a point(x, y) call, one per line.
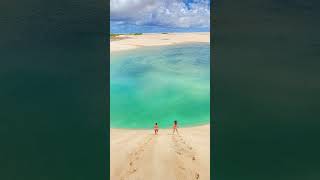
point(175, 127)
point(156, 129)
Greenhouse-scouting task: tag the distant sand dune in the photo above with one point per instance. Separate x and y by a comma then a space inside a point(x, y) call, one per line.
point(140, 155)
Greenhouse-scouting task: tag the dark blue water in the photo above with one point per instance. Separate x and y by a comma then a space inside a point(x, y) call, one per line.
point(267, 95)
point(53, 90)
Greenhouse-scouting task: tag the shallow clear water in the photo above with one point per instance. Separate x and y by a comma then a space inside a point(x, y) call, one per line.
point(160, 84)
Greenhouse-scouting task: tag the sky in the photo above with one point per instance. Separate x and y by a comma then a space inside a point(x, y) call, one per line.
point(131, 16)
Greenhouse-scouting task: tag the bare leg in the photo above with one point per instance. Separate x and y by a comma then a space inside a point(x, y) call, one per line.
point(175, 130)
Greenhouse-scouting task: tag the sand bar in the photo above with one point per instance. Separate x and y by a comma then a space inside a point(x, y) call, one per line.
point(127, 42)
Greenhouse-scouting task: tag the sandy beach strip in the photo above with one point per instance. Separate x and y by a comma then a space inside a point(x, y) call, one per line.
point(139, 154)
point(127, 42)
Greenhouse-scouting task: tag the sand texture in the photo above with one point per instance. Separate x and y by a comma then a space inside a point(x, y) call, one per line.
point(141, 155)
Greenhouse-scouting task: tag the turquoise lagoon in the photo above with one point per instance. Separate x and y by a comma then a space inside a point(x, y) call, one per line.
point(160, 84)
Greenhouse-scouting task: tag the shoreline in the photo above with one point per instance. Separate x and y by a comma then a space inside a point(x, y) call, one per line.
point(125, 42)
point(138, 129)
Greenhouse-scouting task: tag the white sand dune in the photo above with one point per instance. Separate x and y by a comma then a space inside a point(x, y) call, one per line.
point(128, 42)
point(141, 155)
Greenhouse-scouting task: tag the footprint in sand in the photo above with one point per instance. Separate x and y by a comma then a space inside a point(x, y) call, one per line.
point(183, 147)
point(185, 152)
point(134, 157)
point(197, 175)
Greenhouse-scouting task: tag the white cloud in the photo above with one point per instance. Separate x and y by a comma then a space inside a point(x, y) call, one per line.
point(170, 13)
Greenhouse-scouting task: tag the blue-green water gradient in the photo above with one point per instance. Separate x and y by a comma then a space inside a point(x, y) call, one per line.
point(160, 84)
